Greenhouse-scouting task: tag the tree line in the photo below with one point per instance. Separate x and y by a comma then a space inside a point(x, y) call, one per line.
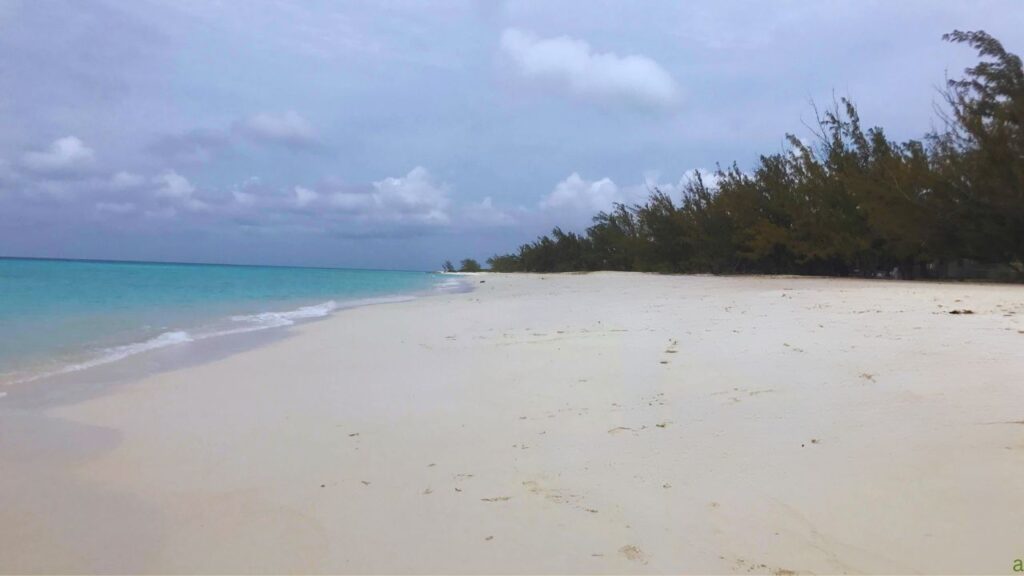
point(853, 202)
point(467, 265)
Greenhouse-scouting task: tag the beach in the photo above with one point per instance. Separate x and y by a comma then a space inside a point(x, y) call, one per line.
point(573, 423)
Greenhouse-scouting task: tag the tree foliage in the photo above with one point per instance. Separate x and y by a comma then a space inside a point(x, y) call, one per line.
point(851, 202)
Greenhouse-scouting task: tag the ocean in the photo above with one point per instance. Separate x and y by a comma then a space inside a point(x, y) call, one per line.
point(58, 316)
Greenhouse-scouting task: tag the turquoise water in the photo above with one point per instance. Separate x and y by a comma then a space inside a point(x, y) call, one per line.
point(62, 315)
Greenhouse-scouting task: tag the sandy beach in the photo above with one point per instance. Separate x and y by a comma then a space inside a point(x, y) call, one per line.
point(591, 423)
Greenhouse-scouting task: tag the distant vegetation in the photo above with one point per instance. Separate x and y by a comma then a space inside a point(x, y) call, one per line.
point(851, 203)
point(467, 265)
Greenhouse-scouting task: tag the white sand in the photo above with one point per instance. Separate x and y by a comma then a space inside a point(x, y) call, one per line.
point(573, 423)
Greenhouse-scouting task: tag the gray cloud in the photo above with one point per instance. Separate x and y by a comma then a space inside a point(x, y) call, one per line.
point(289, 129)
point(206, 145)
point(115, 207)
point(197, 146)
point(65, 156)
point(126, 181)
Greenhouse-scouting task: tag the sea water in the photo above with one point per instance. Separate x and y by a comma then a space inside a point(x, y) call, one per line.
point(58, 316)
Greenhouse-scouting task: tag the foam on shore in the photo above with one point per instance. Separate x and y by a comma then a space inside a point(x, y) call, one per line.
point(238, 324)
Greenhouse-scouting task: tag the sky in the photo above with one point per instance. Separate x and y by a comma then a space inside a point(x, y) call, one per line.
point(398, 134)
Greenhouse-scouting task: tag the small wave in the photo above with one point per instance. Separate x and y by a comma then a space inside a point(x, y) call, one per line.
point(118, 353)
point(278, 319)
point(236, 325)
point(453, 285)
point(264, 320)
point(121, 352)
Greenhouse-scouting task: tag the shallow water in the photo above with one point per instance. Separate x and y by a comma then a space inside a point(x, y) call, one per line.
point(64, 315)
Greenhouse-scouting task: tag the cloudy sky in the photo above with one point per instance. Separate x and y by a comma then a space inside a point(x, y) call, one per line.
point(396, 134)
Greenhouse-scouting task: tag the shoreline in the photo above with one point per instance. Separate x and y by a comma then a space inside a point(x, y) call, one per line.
point(598, 423)
point(182, 347)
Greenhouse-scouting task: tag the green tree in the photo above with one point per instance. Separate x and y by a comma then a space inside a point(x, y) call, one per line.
point(981, 153)
point(850, 202)
point(504, 263)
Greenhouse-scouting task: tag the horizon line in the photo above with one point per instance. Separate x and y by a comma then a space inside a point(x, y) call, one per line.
point(184, 263)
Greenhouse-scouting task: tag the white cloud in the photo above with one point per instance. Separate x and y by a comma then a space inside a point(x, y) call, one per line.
point(414, 197)
point(176, 187)
point(485, 213)
point(65, 155)
point(575, 201)
point(249, 192)
point(126, 180)
point(304, 196)
point(572, 64)
point(411, 199)
point(352, 201)
point(289, 128)
point(578, 194)
point(709, 178)
point(394, 205)
point(244, 198)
